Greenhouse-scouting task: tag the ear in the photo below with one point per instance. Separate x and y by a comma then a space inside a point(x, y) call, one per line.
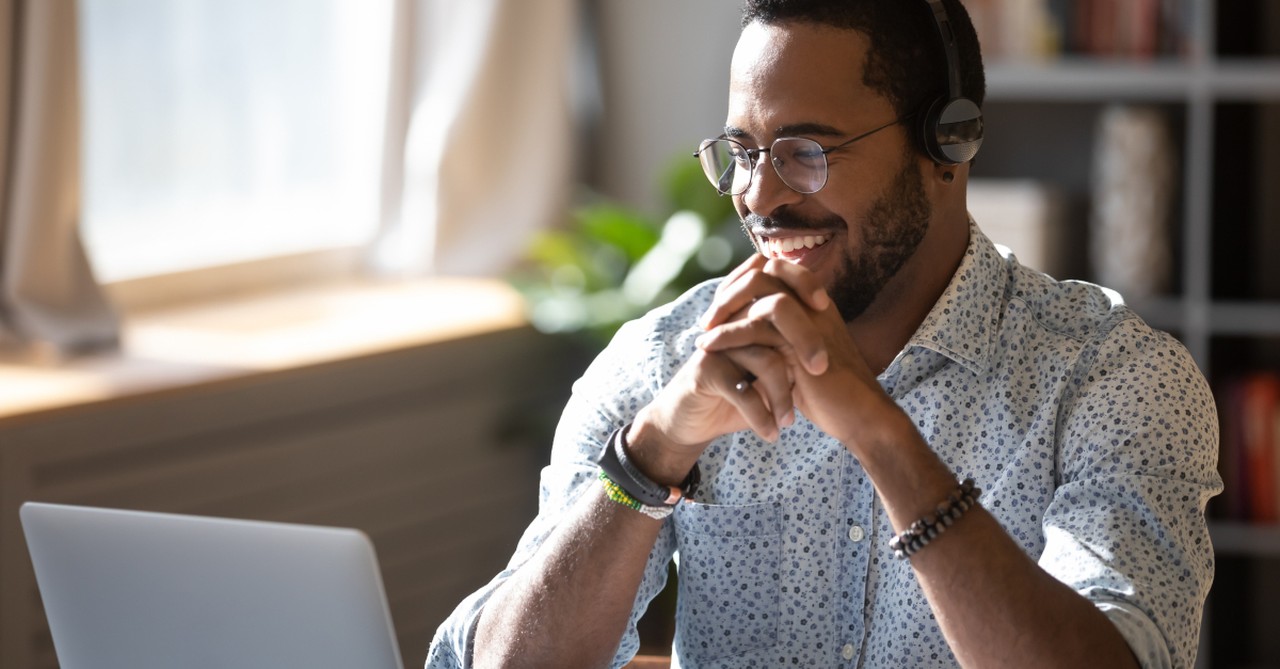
point(945, 175)
point(944, 183)
point(936, 181)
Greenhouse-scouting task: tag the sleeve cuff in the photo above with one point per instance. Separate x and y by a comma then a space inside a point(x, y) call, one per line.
point(1142, 635)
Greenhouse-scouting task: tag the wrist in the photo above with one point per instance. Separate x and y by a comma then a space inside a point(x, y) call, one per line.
point(659, 458)
point(629, 485)
point(874, 425)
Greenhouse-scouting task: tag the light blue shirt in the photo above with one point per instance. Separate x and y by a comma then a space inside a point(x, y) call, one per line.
point(1093, 437)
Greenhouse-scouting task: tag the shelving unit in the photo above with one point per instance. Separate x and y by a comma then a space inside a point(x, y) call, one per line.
point(1196, 85)
point(1041, 114)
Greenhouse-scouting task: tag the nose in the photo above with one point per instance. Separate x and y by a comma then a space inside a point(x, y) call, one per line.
point(766, 191)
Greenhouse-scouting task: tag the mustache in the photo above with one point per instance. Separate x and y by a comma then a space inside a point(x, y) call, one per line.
point(787, 220)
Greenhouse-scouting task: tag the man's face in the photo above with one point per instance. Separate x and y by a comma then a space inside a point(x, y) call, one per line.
point(858, 232)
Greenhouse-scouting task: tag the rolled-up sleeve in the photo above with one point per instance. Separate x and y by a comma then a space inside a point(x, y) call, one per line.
point(1137, 462)
point(621, 380)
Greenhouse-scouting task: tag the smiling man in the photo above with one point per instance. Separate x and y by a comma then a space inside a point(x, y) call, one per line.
point(880, 441)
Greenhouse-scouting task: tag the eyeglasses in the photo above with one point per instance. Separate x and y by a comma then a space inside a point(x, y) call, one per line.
point(800, 163)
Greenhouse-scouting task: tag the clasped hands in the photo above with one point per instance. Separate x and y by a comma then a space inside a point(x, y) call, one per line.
point(773, 324)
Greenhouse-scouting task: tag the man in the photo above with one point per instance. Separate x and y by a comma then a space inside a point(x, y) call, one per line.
point(831, 391)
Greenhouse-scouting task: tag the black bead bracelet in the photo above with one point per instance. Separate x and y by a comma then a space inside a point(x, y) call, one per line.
point(926, 529)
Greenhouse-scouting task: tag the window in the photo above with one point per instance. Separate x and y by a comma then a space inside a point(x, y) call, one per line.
point(220, 131)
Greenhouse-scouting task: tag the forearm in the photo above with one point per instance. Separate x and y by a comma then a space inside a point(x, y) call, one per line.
point(994, 604)
point(570, 604)
point(998, 608)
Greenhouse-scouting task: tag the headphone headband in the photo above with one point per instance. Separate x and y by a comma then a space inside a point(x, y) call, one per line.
point(948, 37)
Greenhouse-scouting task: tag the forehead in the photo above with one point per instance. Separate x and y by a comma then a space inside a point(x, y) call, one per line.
point(795, 72)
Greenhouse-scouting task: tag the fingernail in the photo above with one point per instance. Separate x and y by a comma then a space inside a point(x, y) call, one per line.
point(818, 363)
point(701, 341)
point(821, 300)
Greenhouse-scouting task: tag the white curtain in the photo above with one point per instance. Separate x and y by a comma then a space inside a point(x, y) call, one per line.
point(480, 137)
point(49, 300)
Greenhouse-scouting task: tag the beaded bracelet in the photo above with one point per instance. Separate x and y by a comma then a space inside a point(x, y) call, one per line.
point(926, 529)
point(615, 492)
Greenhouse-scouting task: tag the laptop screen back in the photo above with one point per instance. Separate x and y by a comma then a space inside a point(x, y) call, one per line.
point(142, 590)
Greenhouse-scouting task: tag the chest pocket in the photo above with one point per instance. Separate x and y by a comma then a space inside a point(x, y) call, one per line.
point(730, 579)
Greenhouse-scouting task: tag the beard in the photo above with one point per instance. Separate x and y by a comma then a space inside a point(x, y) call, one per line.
point(892, 230)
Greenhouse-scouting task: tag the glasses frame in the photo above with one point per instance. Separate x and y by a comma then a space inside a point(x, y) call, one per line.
point(753, 156)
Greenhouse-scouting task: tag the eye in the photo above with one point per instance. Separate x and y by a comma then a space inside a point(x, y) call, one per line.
point(805, 152)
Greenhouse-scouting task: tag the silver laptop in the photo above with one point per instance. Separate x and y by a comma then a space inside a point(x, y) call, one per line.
point(128, 589)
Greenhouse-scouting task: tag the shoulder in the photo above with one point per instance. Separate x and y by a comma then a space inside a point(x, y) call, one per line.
point(1077, 309)
point(667, 332)
point(1114, 348)
point(682, 314)
point(645, 352)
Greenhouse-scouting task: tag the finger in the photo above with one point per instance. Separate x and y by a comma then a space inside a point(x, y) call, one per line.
point(776, 321)
point(757, 278)
point(802, 282)
point(755, 262)
point(766, 376)
point(747, 381)
point(732, 298)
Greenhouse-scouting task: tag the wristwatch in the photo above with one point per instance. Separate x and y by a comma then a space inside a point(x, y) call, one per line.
point(615, 462)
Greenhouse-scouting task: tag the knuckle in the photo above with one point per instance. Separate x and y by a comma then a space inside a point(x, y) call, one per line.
point(772, 302)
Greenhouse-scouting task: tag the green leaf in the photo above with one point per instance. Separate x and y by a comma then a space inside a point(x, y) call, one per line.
point(686, 187)
point(616, 226)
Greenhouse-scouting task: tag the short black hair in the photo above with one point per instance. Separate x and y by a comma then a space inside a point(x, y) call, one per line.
point(905, 62)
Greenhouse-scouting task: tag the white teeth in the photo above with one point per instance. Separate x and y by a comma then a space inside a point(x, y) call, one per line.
point(777, 247)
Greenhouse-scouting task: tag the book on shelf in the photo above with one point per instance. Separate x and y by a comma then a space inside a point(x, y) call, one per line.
point(1029, 218)
point(1249, 458)
point(1040, 29)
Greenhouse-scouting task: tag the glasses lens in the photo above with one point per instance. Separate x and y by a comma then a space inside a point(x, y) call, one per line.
point(800, 163)
point(726, 164)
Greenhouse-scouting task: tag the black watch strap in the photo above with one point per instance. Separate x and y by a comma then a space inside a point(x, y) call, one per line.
point(616, 463)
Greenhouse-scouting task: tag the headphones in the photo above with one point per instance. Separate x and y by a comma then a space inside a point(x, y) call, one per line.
point(951, 127)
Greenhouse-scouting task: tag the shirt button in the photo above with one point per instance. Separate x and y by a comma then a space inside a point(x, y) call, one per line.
point(907, 360)
point(856, 533)
point(847, 651)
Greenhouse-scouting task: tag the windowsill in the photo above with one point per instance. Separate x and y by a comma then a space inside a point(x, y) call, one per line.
point(183, 346)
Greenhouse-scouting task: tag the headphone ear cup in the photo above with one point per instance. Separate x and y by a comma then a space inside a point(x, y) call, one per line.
point(951, 130)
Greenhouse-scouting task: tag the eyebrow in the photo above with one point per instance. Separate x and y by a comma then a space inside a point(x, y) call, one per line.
point(792, 130)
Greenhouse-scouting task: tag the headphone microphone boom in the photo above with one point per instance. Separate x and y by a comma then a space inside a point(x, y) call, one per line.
point(951, 126)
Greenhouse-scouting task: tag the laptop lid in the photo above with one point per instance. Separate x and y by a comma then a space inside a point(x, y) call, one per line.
point(138, 590)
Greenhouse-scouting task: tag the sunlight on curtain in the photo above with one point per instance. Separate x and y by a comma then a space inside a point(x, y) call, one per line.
point(487, 127)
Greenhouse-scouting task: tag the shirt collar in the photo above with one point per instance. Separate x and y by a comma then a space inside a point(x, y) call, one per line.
point(963, 323)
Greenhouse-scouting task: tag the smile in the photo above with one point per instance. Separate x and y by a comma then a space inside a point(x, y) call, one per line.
point(791, 248)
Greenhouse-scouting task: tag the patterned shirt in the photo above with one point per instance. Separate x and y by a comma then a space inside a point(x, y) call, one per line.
point(1093, 437)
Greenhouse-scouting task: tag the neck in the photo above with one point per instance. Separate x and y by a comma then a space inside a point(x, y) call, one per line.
point(884, 329)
